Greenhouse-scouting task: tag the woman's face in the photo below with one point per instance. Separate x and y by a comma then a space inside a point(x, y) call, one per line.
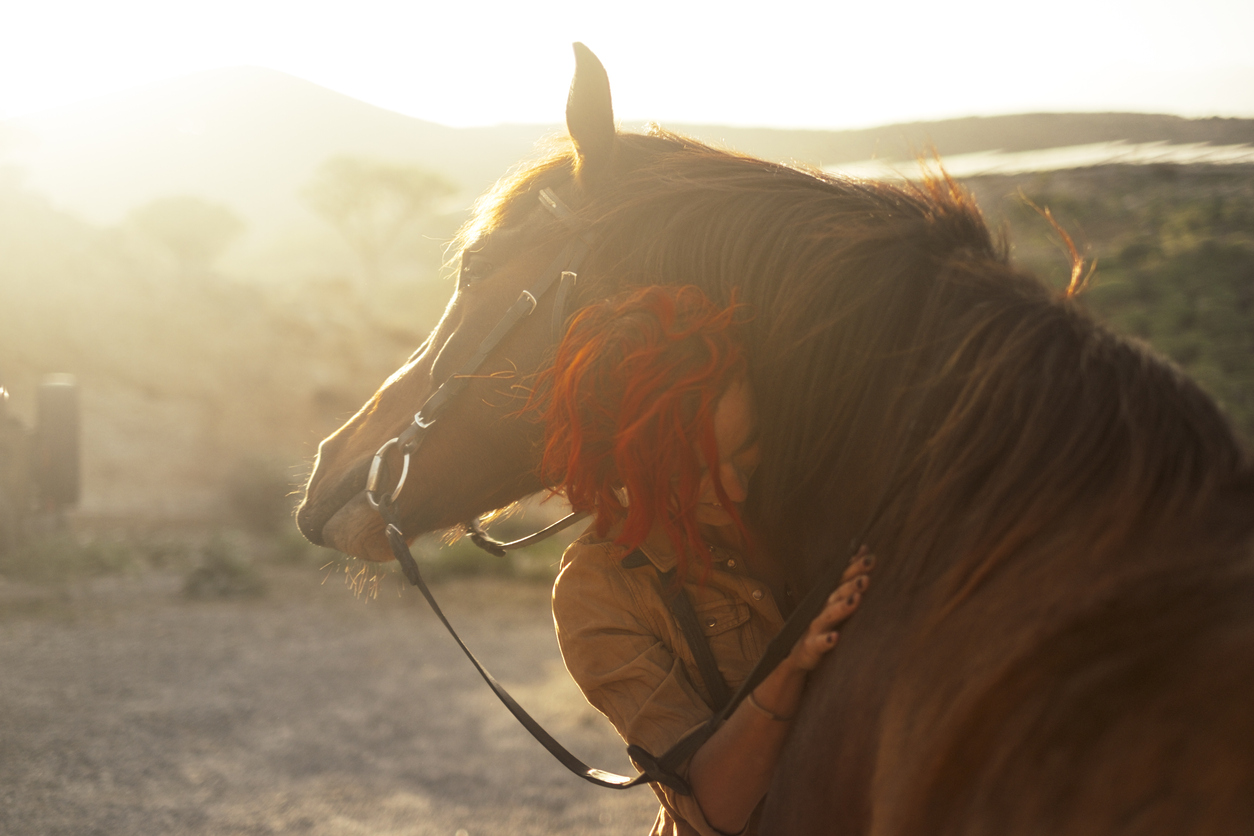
point(736, 432)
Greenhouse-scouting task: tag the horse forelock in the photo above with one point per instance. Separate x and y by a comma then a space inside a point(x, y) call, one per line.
point(514, 195)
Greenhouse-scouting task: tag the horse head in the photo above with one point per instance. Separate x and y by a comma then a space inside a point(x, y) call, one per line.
point(479, 455)
point(653, 208)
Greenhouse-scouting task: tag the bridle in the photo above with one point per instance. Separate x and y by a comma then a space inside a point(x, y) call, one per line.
point(663, 768)
point(563, 273)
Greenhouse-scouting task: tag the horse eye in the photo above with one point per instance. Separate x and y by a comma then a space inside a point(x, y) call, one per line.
point(474, 268)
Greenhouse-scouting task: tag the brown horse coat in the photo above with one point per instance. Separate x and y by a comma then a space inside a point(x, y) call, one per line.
point(1061, 634)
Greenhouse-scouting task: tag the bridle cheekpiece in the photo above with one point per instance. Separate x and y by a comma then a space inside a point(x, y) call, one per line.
point(563, 273)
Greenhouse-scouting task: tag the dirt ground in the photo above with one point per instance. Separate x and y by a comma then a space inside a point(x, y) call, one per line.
point(126, 708)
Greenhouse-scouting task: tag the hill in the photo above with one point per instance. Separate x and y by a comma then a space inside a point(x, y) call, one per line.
point(251, 138)
point(1025, 132)
point(246, 137)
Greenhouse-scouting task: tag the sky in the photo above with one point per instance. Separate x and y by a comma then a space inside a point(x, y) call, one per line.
point(783, 63)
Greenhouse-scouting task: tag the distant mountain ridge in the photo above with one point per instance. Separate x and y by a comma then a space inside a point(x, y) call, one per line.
point(1022, 132)
point(247, 137)
point(251, 138)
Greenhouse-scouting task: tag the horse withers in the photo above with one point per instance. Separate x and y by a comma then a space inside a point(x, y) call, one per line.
point(1061, 635)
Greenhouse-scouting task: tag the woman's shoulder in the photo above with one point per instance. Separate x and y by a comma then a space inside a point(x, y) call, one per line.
point(590, 547)
point(597, 552)
point(592, 576)
point(591, 561)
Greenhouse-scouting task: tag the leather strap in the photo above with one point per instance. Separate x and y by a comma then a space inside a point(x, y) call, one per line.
point(660, 769)
point(656, 769)
point(409, 566)
point(776, 651)
point(686, 617)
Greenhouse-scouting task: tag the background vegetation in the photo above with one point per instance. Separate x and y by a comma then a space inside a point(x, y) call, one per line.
point(1173, 251)
point(203, 394)
point(205, 388)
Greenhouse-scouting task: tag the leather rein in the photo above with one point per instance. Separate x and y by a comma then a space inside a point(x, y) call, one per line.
point(663, 768)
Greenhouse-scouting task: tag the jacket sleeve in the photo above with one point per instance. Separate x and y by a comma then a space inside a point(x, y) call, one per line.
point(610, 637)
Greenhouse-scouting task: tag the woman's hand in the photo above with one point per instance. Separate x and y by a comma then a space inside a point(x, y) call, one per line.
point(821, 637)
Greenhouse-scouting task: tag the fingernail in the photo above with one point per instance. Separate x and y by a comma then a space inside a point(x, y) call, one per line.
point(868, 561)
point(831, 638)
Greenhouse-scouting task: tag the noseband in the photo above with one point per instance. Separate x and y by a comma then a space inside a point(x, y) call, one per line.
point(563, 272)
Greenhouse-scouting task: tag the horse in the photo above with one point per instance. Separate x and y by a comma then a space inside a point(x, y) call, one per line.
point(1060, 637)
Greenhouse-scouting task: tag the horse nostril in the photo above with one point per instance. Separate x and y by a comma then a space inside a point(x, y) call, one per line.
point(306, 526)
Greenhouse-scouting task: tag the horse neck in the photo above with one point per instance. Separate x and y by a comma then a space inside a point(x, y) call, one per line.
point(895, 342)
point(1051, 440)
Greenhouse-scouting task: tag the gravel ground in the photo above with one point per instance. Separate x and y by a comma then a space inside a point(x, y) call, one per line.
point(126, 708)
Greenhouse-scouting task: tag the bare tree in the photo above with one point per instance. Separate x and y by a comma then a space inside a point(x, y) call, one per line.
point(371, 203)
point(195, 232)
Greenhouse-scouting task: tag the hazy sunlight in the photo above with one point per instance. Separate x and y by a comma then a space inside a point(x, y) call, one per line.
point(784, 64)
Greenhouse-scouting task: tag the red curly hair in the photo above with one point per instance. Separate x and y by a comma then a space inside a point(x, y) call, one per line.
point(629, 403)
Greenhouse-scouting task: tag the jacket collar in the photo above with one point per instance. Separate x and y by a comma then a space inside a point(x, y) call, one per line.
point(658, 549)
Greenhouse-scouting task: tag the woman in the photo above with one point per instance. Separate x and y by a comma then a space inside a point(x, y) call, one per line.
point(650, 426)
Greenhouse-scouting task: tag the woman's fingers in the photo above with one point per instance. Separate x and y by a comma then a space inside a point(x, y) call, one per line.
point(811, 648)
point(861, 563)
point(856, 585)
point(821, 636)
point(840, 605)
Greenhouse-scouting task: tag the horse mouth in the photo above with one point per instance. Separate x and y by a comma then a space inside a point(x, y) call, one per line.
point(356, 529)
point(318, 509)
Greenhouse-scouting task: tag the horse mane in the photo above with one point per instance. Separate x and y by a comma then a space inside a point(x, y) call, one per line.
point(1060, 628)
point(888, 325)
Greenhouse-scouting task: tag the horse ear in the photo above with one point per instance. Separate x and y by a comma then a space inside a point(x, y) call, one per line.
point(589, 115)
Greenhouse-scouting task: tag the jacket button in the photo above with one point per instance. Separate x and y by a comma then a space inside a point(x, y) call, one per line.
point(757, 595)
point(711, 622)
point(731, 564)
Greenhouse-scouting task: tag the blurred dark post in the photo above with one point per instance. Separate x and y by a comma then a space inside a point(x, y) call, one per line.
point(14, 480)
point(56, 447)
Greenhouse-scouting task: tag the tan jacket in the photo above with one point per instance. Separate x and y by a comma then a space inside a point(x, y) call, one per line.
point(624, 649)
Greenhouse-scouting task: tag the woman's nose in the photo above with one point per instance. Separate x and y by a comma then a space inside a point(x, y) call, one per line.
point(735, 482)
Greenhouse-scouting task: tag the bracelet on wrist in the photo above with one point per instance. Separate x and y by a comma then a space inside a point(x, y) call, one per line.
point(778, 718)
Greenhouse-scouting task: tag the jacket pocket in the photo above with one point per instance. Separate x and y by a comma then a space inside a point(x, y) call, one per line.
point(717, 617)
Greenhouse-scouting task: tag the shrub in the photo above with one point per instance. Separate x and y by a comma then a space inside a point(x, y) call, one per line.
point(223, 573)
point(62, 556)
point(259, 495)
